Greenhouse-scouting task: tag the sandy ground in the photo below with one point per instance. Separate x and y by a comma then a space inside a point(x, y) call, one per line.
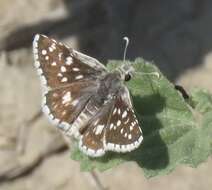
point(33, 154)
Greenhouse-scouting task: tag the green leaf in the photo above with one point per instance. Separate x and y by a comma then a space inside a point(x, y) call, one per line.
point(202, 100)
point(174, 132)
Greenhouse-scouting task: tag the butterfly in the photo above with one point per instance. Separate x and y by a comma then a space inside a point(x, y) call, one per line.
point(85, 100)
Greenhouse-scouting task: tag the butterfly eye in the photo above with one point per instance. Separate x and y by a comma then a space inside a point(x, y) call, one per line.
point(127, 77)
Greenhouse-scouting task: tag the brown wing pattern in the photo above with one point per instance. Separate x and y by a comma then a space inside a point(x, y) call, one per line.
point(63, 105)
point(92, 141)
point(59, 65)
point(123, 133)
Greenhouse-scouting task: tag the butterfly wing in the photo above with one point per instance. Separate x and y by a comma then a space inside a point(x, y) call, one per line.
point(92, 62)
point(69, 82)
point(92, 140)
point(63, 105)
point(114, 128)
point(59, 65)
point(123, 133)
point(68, 79)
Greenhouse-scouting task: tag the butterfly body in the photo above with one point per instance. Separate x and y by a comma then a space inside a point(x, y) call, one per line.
point(109, 86)
point(85, 100)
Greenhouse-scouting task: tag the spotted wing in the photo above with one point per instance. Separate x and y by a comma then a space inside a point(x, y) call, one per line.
point(63, 105)
point(68, 80)
point(114, 128)
point(92, 140)
point(123, 133)
point(59, 65)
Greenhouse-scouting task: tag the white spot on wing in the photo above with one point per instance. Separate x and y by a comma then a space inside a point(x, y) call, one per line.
point(129, 136)
point(124, 114)
point(44, 52)
point(54, 63)
point(64, 79)
point(59, 75)
point(51, 49)
point(96, 122)
point(75, 69)
point(79, 77)
point(53, 46)
point(119, 111)
point(111, 126)
point(126, 121)
point(133, 123)
point(99, 129)
point(118, 123)
point(63, 69)
point(60, 55)
point(75, 102)
point(69, 60)
point(66, 98)
point(114, 111)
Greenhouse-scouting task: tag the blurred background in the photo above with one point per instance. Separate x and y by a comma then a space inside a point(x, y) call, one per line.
point(176, 35)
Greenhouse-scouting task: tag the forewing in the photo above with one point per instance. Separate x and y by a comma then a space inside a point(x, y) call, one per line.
point(92, 62)
point(123, 133)
point(59, 65)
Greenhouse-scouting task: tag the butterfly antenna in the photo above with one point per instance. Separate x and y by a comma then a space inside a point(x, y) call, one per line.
point(126, 39)
point(155, 73)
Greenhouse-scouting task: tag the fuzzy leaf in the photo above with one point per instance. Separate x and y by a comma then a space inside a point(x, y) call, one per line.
point(173, 134)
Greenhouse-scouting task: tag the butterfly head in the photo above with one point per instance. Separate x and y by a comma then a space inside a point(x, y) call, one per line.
point(126, 71)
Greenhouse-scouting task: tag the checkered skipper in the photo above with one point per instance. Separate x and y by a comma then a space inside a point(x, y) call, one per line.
point(85, 100)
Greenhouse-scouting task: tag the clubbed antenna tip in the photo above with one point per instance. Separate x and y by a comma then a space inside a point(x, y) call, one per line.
point(126, 39)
